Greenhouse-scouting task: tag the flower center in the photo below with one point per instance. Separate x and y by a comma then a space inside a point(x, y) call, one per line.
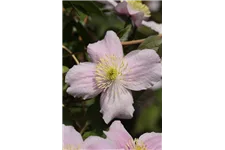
point(139, 145)
point(135, 145)
point(139, 6)
point(70, 147)
point(108, 70)
point(112, 73)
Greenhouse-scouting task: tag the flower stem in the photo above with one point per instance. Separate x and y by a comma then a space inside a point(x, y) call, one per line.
point(135, 41)
point(84, 128)
point(70, 52)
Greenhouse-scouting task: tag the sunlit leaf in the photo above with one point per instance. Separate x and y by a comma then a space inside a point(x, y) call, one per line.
point(124, 33)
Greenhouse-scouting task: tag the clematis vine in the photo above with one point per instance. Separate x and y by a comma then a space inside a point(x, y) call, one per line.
point(114, 75)
point(72, 140)
point(123, 140)
point(139, 12)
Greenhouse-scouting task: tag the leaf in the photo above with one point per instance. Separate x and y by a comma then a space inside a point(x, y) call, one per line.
point(160, 51)
point(87, 7)
point(95, 117)
point(68, 31)
point(151, 42)
point(150, 112)
point(65, 86)
point(82, 31)
point(143, 32)
point(99, 25)
point(124, 33)
point(92, 133)
point(89, 133)
point(65, 69)
point(67, 119)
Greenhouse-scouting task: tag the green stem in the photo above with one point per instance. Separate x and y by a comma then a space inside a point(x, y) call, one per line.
point(84, 128)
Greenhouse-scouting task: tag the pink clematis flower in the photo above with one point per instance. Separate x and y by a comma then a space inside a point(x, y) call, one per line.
point(123, 140)
point(114, 75)
point(134, 8)
point(139, 12)
point(72, 140)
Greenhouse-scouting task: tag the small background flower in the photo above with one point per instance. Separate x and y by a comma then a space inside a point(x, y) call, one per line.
point(122, 139)
point(72, 140)
point(87, 22)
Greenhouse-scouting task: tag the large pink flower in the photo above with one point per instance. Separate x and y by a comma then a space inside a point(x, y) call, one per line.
point(134, 8)
point(114, 75)
point(123, 140)
point(72, 140)
point(139, 12)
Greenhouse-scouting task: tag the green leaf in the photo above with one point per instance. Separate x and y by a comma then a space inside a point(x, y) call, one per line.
point(65, 86)
point(95, 117)
point(124, 33)
point(89, 133)
point(143, 32)
point(149, 117)
point(67, 30)
point(65, 69)
point(160, 51)
point(92, 133)
point(67, 119)
point(82, 31)
point(151, 42)
point(87, 7)
point(99, 25)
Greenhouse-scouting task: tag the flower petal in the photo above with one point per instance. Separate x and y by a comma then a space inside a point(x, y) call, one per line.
point(132, 11)
point(71, 137)
point(116, 101)
point(95, 142)
point(152, 140)
point(81, 79)
point(138, 18)
point(144, 69)
point(153, 25)
point(110, 45)
point(118, 134)
point(122, 8)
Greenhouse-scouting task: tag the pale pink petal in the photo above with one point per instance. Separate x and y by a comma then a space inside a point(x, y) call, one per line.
point(138, 18)
point(81, 79)
point(132, 11)
point(122, 8)
point(144, 69)
point(108, 3)
point(110, 45)
point(152, 140)
point(98, 143)
point(116, 102)
point(153, 25)
point(71, 137)
point(118, 134)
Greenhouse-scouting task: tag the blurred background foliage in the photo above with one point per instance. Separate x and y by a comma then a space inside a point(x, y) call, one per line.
point(86, 22)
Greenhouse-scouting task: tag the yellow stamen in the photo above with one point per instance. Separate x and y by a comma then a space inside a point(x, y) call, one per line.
point(139, 145)
point(135, 145)
point(108, 70)
point(70, 147)
point(139, 6)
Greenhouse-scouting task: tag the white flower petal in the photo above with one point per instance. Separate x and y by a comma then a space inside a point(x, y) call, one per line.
point(144, 69)
point(152, 140)
point(116, 102)
point(110, 45)
point(153, 25)
point(122, 8)
point(81, 79)
point(118, 134)
point(71, 137)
